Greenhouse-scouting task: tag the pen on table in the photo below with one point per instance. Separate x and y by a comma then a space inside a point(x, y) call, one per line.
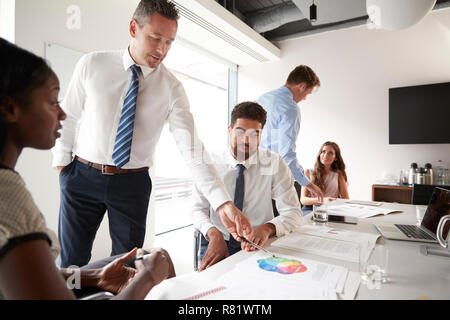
point(142, 257)
point(258, 247)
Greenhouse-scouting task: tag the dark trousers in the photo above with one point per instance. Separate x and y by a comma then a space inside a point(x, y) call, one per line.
point(86, 194)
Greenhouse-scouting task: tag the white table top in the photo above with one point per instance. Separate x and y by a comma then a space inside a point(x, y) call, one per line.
point(411, 274)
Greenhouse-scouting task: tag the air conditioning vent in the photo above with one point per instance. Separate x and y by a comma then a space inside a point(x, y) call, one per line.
point(210, 26)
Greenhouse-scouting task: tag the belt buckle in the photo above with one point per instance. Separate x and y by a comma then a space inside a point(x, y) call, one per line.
point(104, 172)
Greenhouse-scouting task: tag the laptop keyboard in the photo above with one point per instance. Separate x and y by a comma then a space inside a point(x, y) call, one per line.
point(412, 231)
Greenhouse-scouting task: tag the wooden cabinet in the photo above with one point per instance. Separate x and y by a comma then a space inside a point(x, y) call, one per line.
point(392, 193)
point(407, 194)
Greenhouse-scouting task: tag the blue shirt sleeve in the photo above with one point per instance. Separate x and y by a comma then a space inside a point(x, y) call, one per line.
point(282, 128)
point(289, 127)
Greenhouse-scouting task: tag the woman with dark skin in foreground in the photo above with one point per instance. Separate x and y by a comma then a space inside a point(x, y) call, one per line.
point(30, 116)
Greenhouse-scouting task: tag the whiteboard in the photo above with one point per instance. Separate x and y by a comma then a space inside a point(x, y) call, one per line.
point(63, 61)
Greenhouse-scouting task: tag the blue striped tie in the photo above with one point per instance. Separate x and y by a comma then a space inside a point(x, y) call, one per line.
point(122, 146)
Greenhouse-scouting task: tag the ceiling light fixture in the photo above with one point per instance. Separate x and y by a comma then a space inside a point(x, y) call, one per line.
point(313, 12)
point(398, 14)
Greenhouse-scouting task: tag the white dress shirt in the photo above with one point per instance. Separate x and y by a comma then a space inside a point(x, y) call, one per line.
point(93, 105)
point(266, 177)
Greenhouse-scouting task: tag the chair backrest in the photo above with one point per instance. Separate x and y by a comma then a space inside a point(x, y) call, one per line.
point(298, 189)
point(200, 244)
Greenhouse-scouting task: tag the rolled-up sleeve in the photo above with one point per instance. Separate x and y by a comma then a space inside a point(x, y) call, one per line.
point(288, 133)
point(200, 212)
point(181, 125)
point(73, 105)
point(286, 199)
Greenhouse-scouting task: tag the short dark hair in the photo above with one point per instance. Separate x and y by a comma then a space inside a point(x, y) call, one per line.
point(248, 110)
point(305, 74)
point(146, 8)
point(21, 73)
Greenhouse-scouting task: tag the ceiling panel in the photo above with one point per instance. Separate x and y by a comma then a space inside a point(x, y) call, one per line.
point(331, 15)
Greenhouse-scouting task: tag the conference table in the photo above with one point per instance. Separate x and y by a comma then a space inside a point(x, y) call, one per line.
point(412, 273)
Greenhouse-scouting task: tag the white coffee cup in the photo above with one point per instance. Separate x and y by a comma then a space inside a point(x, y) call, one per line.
point(440, 232)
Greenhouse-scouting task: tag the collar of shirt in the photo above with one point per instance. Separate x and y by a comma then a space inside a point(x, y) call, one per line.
point(285, 90)
point(252, 160)
point(128, 62)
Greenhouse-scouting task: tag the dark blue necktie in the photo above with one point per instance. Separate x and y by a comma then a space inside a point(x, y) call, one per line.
point(122, 146)
point(238, 198)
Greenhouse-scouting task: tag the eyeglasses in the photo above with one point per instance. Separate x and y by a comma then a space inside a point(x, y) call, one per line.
point(252, 134)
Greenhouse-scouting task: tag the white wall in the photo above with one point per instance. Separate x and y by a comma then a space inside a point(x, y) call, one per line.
point(103, 25)
point(7, 9)
point(356, 67)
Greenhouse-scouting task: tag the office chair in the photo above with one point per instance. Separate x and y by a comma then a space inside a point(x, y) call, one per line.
point(200, 244)
point(298, 188)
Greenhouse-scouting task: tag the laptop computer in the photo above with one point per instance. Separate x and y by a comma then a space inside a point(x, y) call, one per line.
point(438, 206)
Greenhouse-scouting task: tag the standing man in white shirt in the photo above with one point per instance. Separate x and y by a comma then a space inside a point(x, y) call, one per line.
point(121, 101)
point(255, 177)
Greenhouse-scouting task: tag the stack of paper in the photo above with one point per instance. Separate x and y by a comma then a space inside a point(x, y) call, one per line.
point(356, 210)
point(328, 242)
point(262, 276)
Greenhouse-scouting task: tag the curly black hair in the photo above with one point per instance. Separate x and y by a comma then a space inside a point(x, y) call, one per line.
point(249, 110)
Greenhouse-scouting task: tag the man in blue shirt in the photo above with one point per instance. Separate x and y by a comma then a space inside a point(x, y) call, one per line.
point(283, 121)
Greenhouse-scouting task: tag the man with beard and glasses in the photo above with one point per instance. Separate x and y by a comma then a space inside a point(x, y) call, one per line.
point(117, 104)
point(254, 177)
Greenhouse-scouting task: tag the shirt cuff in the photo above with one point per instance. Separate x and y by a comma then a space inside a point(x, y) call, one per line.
point(61, 159)
point(302, 179)
point(279, 228)
point(205, 228)
point(218, 197)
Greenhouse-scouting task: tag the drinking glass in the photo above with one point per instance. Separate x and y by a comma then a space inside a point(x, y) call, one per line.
point(373, 265)
point(319, 213)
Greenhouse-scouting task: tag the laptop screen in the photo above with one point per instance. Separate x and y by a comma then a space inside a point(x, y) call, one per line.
point(438, 207)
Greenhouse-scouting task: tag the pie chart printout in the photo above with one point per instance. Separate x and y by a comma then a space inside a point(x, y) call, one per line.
point(281, 265)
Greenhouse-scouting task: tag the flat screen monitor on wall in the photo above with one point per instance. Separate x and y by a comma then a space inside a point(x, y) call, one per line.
point(419, 114)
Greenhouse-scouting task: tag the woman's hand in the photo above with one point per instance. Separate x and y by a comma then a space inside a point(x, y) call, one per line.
point(115, 276)
point(328, 199)
point(156, 266)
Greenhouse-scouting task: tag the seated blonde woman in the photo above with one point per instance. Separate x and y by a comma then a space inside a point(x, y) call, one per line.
point(328, 174)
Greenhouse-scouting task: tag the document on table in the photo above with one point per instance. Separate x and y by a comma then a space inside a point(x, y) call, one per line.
point(339, 234)
point(179, 287)
point(365, 203)
point(356, 210)
point(262, 276)
point(328, 242)
point(237, 286)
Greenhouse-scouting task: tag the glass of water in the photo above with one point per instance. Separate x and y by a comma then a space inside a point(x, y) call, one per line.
point(373, 265)
point(319, 213)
